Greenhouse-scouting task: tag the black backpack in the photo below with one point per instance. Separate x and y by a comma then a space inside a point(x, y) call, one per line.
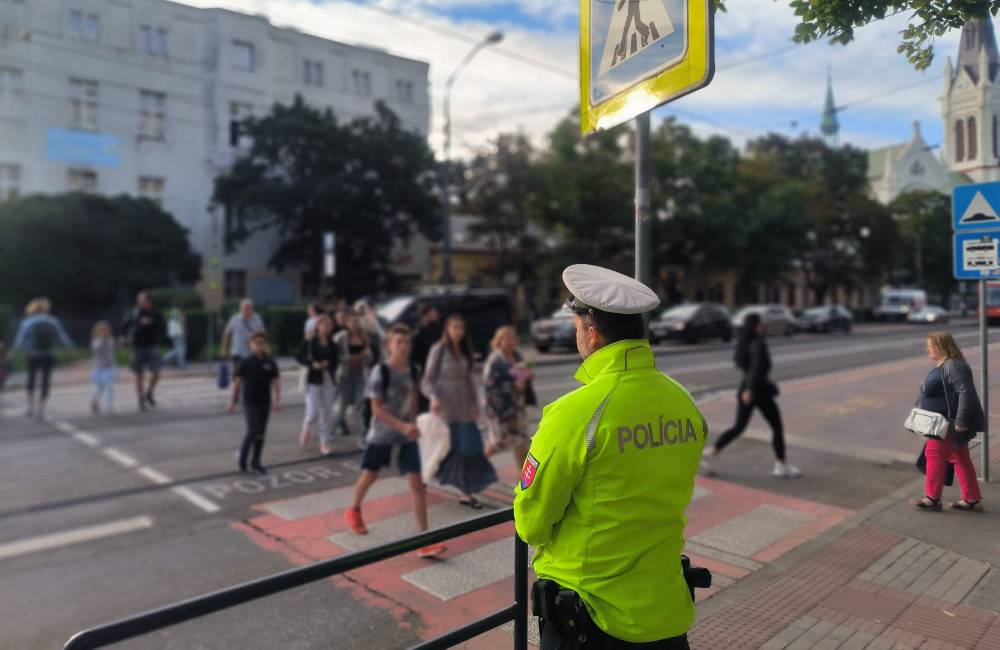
point(366, 409)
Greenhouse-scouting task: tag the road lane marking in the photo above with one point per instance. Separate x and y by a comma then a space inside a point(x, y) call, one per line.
point(156, 477)
point(74, 536)
point(120, 457)
point(195, 498)
point(274, 480)
point(87, 439)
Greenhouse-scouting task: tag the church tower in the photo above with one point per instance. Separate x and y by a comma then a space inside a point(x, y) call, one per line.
point(829, 126)
point(970, 106)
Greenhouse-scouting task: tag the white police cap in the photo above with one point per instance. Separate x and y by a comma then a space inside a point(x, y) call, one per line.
point(608, 290)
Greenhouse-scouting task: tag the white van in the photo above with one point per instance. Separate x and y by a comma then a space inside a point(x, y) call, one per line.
point(898, 304)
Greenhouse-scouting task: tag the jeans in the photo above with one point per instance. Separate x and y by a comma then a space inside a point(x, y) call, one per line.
point(350, 394)
point(178, 353)
point(43, 365)
point(769, 409)
point(253, 442)
point(941, 452)
point(319, 406)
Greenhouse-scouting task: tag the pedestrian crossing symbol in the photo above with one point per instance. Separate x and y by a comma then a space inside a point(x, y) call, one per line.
point(638, 54)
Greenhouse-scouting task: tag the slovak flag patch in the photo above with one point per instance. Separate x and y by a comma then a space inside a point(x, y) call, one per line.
point(529, 472)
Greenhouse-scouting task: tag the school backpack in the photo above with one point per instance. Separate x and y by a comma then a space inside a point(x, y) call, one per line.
point(366, 409)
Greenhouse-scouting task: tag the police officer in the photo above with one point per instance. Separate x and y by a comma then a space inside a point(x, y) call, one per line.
point(609, 475)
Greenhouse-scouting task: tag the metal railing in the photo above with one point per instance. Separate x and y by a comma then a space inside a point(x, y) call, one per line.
point(186, 610)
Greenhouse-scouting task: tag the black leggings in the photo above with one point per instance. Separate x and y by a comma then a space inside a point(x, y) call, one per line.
point(253, 442)
point(43, 365)
point(769, 409)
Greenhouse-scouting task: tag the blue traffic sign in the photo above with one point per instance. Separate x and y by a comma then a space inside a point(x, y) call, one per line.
point(976, 207)
point(977, 255)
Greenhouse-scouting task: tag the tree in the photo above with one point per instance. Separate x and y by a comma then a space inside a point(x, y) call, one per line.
point(88, 253)
point(370, 181)
point(837, 19)
point(503, 186)
point(924, 219)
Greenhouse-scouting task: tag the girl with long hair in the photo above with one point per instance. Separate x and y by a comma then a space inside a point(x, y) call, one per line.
point(354, 346)
point(449, 384)
point(320, 357)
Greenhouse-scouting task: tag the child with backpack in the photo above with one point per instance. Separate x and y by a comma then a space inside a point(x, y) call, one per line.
point(392, 393)
point(102, 345)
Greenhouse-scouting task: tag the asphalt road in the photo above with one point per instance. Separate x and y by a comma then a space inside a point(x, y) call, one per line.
point(101, 517)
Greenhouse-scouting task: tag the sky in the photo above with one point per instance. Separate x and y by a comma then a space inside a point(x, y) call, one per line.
point(763, 82)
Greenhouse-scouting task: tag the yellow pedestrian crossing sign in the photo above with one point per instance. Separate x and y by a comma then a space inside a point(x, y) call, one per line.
point(638, 54)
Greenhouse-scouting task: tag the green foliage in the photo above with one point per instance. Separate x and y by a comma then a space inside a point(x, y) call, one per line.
point(369, 180)
point(87, 252)
point(284, 329)
point(928, 19)
point(6, 324)
point(925, 223)
point(196, 321)
point(184, 298)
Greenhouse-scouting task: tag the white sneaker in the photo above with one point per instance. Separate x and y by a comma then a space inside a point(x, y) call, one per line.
point(784, 470)
point(706, 461)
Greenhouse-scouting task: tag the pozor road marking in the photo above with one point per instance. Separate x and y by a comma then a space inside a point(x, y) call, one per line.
point(272, 481)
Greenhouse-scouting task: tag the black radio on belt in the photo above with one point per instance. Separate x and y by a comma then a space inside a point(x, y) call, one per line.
point(695, 576)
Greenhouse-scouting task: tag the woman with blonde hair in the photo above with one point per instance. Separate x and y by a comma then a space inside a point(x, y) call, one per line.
point(950, 391)
point(38, 335)
point(505, 381)
point(105, 372)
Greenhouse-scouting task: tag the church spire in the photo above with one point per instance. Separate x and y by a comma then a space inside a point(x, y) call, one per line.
point(978, 41)
point(829, 126)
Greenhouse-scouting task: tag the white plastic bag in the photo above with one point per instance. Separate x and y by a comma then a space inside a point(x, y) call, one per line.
point(435, 443)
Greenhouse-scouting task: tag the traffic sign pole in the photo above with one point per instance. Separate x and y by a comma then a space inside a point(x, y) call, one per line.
point(984, 378)
point(642, 212)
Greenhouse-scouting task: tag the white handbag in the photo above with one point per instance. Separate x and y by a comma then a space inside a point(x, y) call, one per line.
point(928, 423)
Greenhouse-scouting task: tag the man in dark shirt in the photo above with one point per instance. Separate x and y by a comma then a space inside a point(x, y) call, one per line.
point(258, 376)
point(427, 335)
point(145, 327)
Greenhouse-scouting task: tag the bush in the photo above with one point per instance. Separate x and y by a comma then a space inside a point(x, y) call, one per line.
point(167, 297)
point(284, 328)
point(197, 333)
point(6, 324)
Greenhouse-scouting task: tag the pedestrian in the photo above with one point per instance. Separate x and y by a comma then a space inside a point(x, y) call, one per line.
point(105, 371)
point(320, 357)
point(145, 326)
point(38, 335)
point(448, 384)
point(258, 375)
point(177, 333)
point(392, 392)
point(428, 333)
point(607, 480)
point(355, 352)
point(371, 327)
point(756, 390)
point(505, 382)
point(239, 328)
point(950, 390)
point(313, 312)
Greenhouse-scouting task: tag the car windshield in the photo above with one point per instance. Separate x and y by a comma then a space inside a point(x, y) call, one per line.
point(816, 311)
point(741, 314)
point(681, 311)
point(897, 301)
point(392, 309)
point(993, 296)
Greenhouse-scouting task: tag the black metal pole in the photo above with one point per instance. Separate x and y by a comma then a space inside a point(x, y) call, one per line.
point(520, 593)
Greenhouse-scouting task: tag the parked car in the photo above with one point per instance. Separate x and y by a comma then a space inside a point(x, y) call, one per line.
point(828, 318)
point(483, 309)
point(930, 314)
point(691, 323)
point(556, 331)
point(777, 319)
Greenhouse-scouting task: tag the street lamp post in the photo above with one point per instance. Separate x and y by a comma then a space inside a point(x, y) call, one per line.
point(491, 39)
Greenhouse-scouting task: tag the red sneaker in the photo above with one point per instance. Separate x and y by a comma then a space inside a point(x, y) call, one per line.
point(433, 550)
point(355, 521)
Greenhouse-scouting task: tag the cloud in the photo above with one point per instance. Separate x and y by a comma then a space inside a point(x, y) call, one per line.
point(763, 82)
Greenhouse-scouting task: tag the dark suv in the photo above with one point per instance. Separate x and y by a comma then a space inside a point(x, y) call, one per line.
point(484, 310)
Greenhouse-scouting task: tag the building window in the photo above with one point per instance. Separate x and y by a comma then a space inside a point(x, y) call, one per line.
point(243, 56)
point(153, 41)
point(959, 141)
point(85, 26)
point(152, 115)
point(234, 284)
point(10, 89)
point(10, 181)
point(973, 138)
point(238, 112)
point(312, 72)
point(361, 83)
point(151, 187)
point(404, 91)
point(83, 105)
point(917, 168)
point(82, 180)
